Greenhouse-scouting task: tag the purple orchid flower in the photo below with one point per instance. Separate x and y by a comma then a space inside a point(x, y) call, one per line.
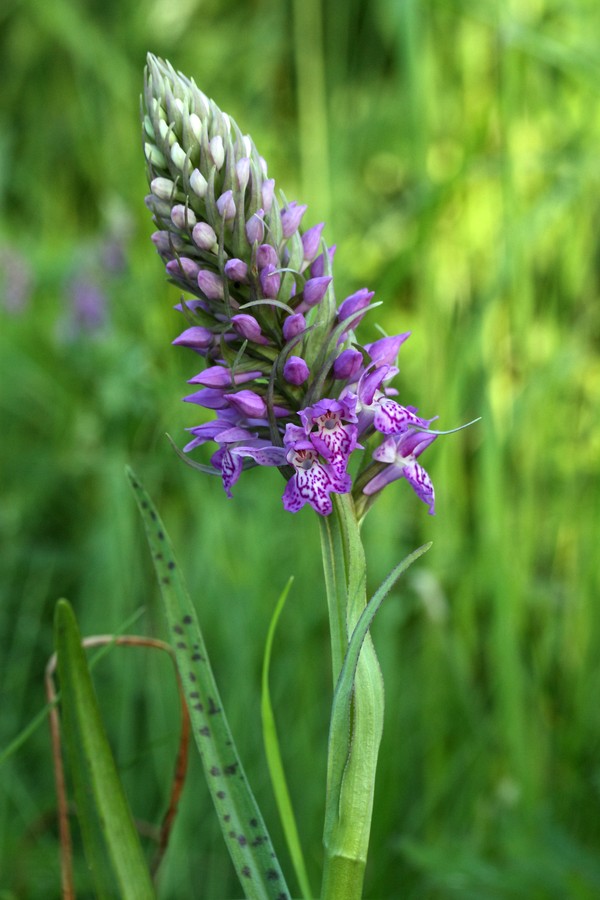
point(325, 428)
point(399, 452)
point(312, 481)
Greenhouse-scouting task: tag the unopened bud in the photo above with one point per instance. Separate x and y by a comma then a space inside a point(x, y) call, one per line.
point(204, 236)
point(217, 151)
point(226, 206)
point(182, 216)
point(198, 183)
point(295, 370)
point(348, 364)
point(236, 270)
point(163, 188)
point(210, 284)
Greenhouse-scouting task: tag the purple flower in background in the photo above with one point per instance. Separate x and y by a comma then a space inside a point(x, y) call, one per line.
point(16, 279)
point(286, 379)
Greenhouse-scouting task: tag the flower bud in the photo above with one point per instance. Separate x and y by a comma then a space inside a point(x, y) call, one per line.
point(348, 364)
point(182, 216)
point(248, 403)
point(210, 284)
point(318, 267)
point(295, 370)
point(217, 151)
point(255, 228)
point(209, 398)
point(270, 282)
point(293, 326)
point(195, 125)
point(183, 268)
point(266, 256)
point(167, 243)
point(179, 157)
point(154, 156)
point(291, 217)
point(315, 289)
point(163, 188)
point(226, 206)
point(311, 241)
point(196, 337)
point(384, 351)
point(267, 191)
point(353, 304)
point(204, 236)
point(242, 172)
point(198, 183)
point(248, 328)
point(236, 270)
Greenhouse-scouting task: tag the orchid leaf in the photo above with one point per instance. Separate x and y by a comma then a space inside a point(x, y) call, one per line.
point(274, 761)
point(111, 841)
point(241, 822)
point(340, 734)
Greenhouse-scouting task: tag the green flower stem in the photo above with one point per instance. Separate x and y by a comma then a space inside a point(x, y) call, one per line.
point(351, 779)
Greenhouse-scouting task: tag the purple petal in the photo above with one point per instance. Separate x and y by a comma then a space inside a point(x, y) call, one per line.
point(385, 350)
point(248, 403)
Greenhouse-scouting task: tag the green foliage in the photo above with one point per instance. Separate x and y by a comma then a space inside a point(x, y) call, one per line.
point(112, 845)
point(241, 821)
point(459, 143)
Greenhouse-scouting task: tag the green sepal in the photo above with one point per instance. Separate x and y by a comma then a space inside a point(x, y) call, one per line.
point(112, 846)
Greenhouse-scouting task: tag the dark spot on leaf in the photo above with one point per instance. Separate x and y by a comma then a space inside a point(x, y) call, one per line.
point(199, 707)
point(226, 818)
point(171, 564)
point(253, 823)
point(221, 795)
point(158, 556)
point(178, 629)
point(187, 620)
point(246, 872)
point(197, 657)
point(181, 644)
point(160, 535)
point(204, 731)
point(213, 709)
point(153, 515)
point(165, 579)
point(194, 695)
point(144, 504)
point(230, 770)
point(192, 676)
point(242, 840)
point(272, 875)
point(258, 841)
point(215, 771)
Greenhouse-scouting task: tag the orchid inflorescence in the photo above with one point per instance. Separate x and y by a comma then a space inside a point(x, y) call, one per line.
point(289, 383)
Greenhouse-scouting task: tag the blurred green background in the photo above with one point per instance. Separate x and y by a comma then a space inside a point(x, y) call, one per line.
point(453, 148)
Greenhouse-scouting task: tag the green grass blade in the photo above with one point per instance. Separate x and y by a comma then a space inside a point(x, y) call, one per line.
point(112, 845)
point(340, 734)
point(276, 771)
point(241, 822)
